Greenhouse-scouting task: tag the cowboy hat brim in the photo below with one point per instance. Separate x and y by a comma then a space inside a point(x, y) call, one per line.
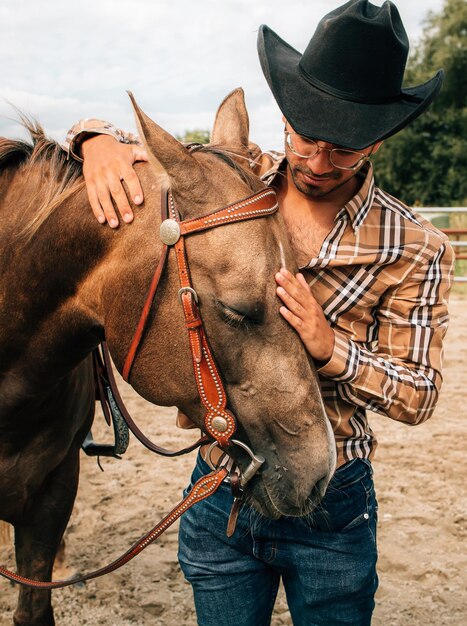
point(319, 115)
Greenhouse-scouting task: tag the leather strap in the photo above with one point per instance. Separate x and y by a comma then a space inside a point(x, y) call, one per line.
point(131, 355)
point(208, 380)
point(210, 387)
point(203, 488)
point(99, 377)
point(237, 493)
point(131, 423)
point(261, 204)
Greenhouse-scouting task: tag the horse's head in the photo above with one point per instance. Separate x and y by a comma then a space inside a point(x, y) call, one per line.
point(271, 384)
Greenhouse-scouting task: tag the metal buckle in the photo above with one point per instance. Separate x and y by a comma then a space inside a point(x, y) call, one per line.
point(188, 290)
point(256, 460)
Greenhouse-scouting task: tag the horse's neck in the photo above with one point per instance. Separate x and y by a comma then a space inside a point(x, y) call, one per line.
point(7, 174)
point(73, 276)
point(45, 329)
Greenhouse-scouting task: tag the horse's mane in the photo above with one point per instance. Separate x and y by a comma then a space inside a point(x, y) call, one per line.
point(62, 176)
point(247, 175)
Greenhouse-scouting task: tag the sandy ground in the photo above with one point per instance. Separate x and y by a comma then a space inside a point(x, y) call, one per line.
point(420, 478)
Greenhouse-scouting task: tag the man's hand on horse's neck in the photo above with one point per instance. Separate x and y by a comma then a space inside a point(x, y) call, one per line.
point(107, 164)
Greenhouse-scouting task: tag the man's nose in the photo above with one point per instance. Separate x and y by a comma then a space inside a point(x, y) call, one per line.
point(320, 163)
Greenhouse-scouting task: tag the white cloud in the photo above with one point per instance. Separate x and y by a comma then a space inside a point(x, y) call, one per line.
point(65, 60)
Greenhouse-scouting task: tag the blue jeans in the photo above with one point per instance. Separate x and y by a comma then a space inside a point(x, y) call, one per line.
point(327, 561)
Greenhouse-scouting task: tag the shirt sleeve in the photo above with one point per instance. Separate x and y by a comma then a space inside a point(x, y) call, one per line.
point(400, 376)
point(87, 127)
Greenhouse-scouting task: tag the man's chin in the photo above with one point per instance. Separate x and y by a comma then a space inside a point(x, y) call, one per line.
point(321, 188)
point(310, 189)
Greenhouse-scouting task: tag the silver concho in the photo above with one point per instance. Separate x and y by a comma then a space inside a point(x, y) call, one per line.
point(169, 232)
point(220, 424)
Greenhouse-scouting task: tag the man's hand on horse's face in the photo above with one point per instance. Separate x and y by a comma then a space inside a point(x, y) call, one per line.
point(107, 163)
point(305, 315)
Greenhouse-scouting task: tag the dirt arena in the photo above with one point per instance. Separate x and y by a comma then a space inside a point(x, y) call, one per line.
point(420, 477)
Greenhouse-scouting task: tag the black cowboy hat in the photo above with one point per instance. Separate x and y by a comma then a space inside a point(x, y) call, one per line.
point(346, 88)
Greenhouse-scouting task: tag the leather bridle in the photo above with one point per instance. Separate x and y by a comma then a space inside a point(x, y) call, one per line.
point(219, 423)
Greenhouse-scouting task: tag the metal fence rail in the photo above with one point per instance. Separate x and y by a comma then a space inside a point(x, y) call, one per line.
point(455, 234)
point(441, 209)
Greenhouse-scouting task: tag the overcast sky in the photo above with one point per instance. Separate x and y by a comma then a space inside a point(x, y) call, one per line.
point(62, 60)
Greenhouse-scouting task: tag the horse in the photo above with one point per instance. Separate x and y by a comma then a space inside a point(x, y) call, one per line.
point(68, 283)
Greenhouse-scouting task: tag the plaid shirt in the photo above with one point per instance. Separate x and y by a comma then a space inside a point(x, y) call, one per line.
point(382, 277)
point(90, 126)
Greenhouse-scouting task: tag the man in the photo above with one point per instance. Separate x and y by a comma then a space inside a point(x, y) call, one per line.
point(369, 305)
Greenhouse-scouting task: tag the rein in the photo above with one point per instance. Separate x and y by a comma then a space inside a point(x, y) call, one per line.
point(219, 423)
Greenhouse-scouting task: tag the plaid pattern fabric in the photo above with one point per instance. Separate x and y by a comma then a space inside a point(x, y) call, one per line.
point(91, 126)
point(382, 277)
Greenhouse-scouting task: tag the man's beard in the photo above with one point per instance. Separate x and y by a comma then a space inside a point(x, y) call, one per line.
point(314, 191)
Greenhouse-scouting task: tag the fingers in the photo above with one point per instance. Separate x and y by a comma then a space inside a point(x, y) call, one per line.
point(104, 189)
point(105, 195)
point(131, 179)
point(295, 321)
point(304, 314)
point(291, 303)
point(298, 302)
point(302, 281)
point(100, 194)
point(134, 187)
point(294, 291)
point(96, 205)
point(110, 178)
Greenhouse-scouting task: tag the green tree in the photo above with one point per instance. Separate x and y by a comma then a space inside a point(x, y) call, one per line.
point(197, 135)
point(425, 164)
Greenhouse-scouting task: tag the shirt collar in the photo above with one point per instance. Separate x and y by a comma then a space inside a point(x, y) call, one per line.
point(357, 208)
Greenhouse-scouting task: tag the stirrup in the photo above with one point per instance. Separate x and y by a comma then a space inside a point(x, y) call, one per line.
point(91, 448)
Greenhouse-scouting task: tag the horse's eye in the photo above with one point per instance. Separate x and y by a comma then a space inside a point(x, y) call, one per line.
point(240, 317)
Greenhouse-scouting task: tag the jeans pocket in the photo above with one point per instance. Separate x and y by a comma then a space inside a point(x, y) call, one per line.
point(361, 518)
point(365, 521)
point(348, 504)
point(348, 510)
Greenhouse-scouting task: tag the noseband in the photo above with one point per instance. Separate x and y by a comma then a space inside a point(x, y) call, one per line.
point(219, 423)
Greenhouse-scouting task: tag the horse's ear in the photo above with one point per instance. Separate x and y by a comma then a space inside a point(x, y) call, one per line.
point(165, 152)
point(231, 126)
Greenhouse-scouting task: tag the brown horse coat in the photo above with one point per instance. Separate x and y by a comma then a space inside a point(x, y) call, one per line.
point(67, 282)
